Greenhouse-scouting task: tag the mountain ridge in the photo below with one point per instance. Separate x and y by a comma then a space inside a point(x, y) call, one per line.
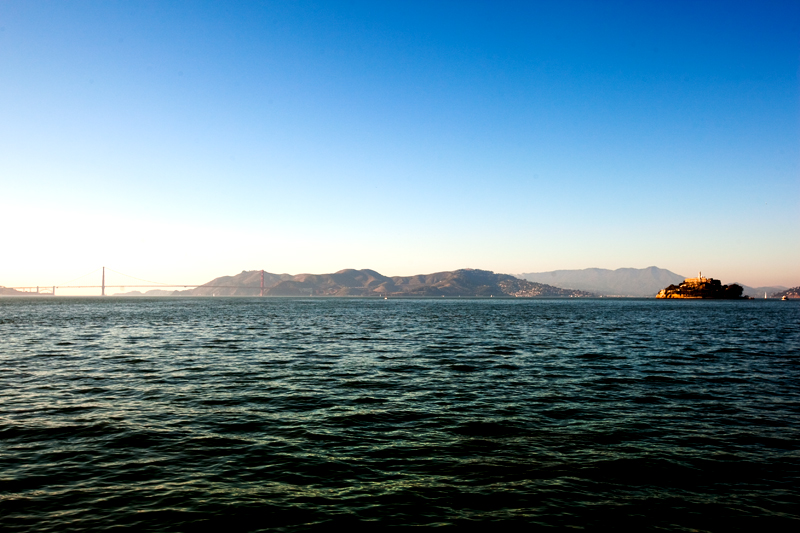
point(367, 282)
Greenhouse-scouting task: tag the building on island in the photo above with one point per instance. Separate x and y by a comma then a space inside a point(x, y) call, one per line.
point(701, 287)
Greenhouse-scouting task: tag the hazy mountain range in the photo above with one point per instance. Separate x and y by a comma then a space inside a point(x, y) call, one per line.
point(634, 282)
point(350, 282)
point(629, 282)
point(639, 282)
point(153, 292)
point(4, 291)
point(758, 292)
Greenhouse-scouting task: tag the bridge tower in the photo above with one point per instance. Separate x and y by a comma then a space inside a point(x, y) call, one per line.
point(103, 283)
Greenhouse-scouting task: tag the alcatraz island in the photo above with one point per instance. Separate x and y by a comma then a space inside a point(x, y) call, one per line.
point(706, 288)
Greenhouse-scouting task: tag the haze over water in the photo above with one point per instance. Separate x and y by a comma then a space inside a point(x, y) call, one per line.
point(250, 414)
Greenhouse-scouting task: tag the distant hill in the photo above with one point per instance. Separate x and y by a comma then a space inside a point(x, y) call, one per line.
point(246, 283)
point(639, 282)
point(153, 292)
point(5, 291)
point(8, 291)
point(758, 292)
point(794, 292)
point(351, 282)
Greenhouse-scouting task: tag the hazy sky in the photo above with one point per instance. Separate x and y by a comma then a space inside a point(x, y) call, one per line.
point(181, 141)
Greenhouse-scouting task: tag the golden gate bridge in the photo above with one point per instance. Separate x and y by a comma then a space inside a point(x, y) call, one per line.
point(50, 290)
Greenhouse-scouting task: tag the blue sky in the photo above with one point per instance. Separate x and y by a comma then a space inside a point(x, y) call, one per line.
point(180, 141)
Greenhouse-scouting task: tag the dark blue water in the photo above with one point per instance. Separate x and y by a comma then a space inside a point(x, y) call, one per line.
point(254, 414)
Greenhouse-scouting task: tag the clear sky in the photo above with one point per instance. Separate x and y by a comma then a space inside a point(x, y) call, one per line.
point(181, 141)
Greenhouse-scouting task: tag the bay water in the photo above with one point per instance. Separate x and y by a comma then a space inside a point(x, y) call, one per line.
point(249, 414)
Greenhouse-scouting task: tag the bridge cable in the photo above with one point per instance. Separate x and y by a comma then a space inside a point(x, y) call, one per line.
point(79, 277)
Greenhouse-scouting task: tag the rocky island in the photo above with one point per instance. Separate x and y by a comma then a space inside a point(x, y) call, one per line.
point(700, 287)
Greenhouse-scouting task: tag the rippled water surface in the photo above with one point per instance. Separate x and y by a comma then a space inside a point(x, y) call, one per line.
point(249, 414)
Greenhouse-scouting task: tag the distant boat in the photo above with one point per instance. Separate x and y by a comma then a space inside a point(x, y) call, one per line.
point(784, 298)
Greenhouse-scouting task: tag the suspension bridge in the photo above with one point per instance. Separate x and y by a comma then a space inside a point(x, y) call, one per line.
point(50, 290)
